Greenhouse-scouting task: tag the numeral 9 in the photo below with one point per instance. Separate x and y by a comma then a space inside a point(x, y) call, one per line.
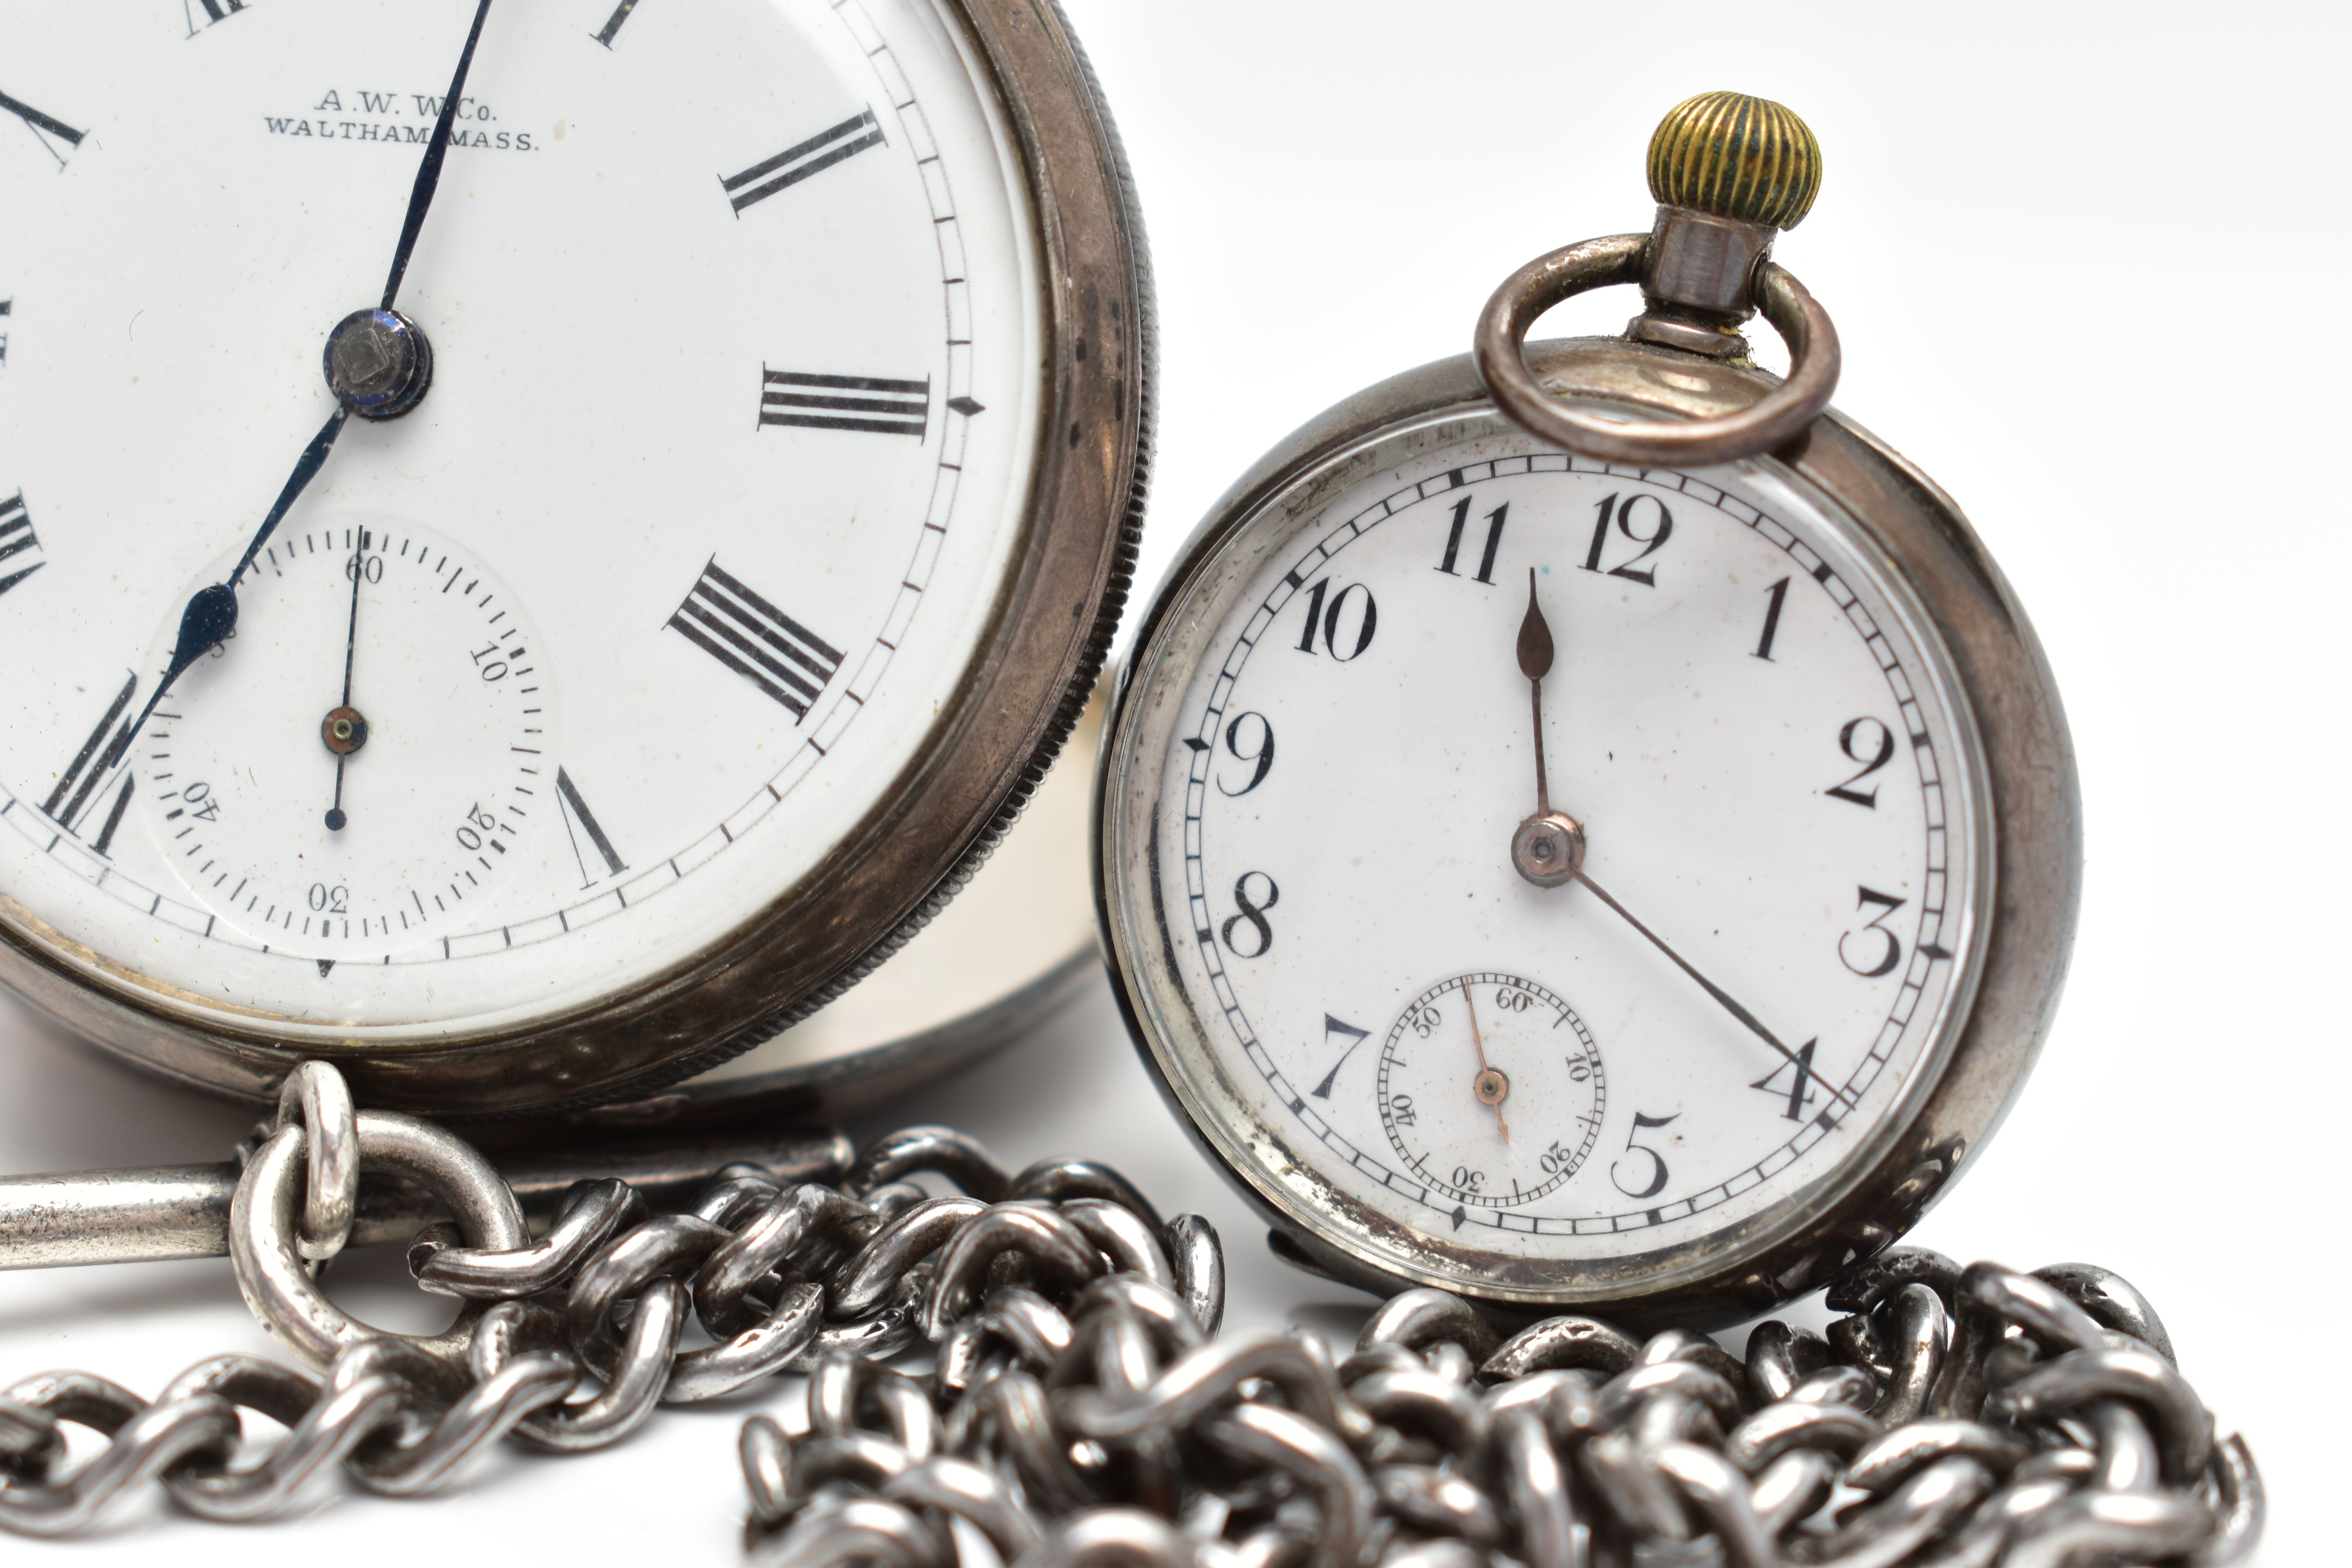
point(1262, 755)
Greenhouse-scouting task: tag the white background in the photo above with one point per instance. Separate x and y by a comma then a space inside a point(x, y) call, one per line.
point(2087, 263)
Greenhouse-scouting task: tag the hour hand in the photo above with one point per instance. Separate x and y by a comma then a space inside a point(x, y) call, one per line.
point(1549, 845)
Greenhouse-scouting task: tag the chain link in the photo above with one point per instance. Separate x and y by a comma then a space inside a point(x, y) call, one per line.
point(570, 1342)
point(1078, 1411)
point(1955, 1418)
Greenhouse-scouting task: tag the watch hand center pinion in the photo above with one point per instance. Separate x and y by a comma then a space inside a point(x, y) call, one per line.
point(1547, 848)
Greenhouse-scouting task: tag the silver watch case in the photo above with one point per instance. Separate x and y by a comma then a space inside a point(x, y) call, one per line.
point(2034, 858)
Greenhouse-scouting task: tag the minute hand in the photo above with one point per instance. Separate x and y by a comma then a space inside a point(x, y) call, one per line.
point(1723, 998)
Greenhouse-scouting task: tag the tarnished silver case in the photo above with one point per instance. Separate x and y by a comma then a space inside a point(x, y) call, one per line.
point(2033, 863)
point(1044, 642)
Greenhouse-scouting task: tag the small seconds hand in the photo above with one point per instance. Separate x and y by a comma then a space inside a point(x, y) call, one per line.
point(335, 818)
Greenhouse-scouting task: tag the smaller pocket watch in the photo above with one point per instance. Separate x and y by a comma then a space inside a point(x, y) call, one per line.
point(1584, 821)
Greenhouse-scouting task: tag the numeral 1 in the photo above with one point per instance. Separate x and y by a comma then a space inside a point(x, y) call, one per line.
point(213, 10)
point(42, 127)
point(758, 641)
point(4, 337)
point(1494, 539)
point(613, 23)
point(820, 403)
point(69, 802)
point(795, 164)
point(1778, 592)
point(16, 536)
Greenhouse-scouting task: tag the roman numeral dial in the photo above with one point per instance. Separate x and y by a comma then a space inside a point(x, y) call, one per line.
point(726, 619)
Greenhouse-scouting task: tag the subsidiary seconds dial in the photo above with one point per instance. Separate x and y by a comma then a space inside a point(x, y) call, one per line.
point(431, 728)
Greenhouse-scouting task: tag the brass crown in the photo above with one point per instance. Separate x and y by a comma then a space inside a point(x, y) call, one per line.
point(1737, 157)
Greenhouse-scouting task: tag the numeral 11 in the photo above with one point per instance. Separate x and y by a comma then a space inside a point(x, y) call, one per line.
point(1494, 539)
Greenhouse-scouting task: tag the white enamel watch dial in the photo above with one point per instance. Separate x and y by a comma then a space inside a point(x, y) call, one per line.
point(1394, 1018)
point(728, 476)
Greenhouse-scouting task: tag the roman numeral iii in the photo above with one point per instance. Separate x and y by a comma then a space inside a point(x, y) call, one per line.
point(790, 167)
point(750, 635)
point(869, 403)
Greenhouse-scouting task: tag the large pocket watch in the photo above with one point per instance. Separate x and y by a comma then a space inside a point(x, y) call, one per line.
point(715, 528)
point(1584, 821)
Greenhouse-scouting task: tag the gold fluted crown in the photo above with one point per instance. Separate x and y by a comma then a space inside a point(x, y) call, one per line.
point(1737, 157)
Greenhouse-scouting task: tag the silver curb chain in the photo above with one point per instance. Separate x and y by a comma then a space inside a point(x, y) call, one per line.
point(1080, 1412)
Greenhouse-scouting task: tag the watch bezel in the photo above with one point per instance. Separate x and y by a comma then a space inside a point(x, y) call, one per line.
point(2031, 853)
point(1023, 690)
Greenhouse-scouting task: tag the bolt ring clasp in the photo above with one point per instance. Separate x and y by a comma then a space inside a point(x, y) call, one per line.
point(264, 1230)
point(1498, 350)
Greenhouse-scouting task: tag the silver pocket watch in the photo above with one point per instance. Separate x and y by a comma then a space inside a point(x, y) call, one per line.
point(1585, 822)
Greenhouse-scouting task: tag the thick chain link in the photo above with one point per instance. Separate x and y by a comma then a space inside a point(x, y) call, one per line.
point(568, 1342)
point(1078, 1410)
point(1956, 1418)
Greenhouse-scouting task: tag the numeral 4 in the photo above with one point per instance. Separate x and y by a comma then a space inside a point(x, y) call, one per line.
point(16, 540)
point(821, 152)
point(867, 402)
point(1799, 1092)
point(784, 659)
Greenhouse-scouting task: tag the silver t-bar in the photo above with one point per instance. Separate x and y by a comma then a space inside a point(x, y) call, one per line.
point(158, 1212)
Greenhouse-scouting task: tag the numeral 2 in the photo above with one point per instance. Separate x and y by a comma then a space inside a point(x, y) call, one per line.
point(822, 403)
point(69, 802)
point(17, 537)
point(1621, 514)
point(43, 127)
point(1453, 539)
point(794, 163)
point(750, 635)
point(1884, 753)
